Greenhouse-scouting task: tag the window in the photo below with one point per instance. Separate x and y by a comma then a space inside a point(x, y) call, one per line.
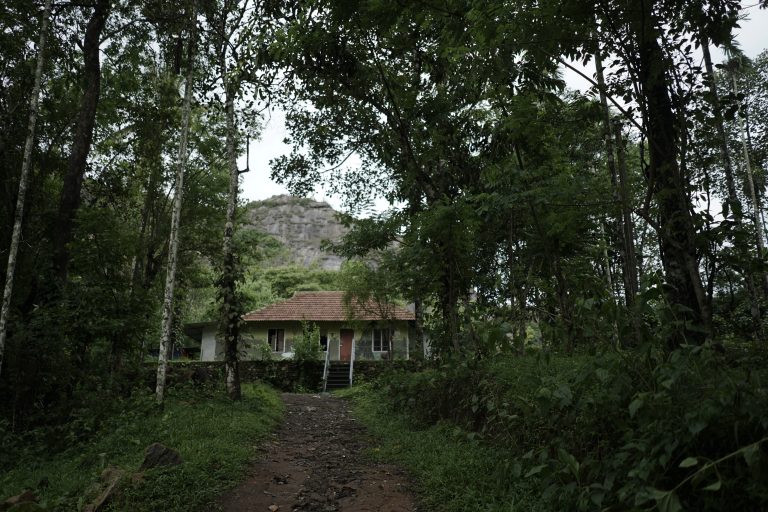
point(381, 340)
point(276, 339)
point(324, 342)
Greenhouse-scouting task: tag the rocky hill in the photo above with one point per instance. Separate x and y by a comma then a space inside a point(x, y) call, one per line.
point(301, 225)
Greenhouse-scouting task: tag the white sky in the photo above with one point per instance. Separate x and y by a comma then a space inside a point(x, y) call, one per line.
point(257, 185)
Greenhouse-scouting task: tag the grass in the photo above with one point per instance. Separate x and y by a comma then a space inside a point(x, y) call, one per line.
point(215, 437)
point(453, 470)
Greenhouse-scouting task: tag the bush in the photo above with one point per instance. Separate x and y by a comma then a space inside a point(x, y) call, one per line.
point(306, 347)
point(619, 431)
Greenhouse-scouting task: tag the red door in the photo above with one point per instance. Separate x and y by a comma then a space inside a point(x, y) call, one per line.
point(345, 348)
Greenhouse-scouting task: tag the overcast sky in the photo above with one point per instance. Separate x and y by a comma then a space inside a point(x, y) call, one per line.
point(256, 184)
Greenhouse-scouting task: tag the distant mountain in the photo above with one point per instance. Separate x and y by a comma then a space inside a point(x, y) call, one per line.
point(301, 225)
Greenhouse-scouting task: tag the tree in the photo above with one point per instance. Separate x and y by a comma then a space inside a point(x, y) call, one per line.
point(10, 269)
point(231, 304)
point(170, 280)
point(83, 138)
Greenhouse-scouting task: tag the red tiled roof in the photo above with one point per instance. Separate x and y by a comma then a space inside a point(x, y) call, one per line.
point(325, 306)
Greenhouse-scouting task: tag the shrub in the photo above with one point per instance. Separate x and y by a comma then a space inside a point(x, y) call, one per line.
point(618, 431)
point(306, 347)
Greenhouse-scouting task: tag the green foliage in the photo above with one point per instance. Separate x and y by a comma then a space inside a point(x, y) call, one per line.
point(265, 351)
point(285, 281)
point(306, 347)
point(605, 431)
point(215, 437)
point(452, 471)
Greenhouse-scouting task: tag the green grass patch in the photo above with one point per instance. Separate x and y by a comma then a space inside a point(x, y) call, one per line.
point(453, 470)
point(215, 436)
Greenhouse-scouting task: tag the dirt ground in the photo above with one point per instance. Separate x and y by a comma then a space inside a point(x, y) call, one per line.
point(316, 462)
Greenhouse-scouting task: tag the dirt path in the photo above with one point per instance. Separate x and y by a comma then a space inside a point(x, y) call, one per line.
point(316, 463)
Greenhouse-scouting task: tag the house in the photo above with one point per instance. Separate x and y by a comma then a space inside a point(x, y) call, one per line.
point(372, 330)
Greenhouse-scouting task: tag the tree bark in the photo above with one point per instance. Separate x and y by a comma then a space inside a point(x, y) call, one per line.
point(69, 201)
point(10, 271)
point(418, 326)
point(230, 310)
point(684, 291)
point(173, 242)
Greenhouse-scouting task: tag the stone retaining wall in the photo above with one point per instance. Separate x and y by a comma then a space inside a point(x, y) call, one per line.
point(285, 375)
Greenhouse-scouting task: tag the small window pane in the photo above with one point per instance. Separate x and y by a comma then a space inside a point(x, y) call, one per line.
point(381, 340)
point(276, 339)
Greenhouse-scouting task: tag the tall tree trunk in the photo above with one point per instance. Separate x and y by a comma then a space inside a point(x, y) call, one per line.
point(730, 185)
point(751, 187)
point(564, 303)
point(10, 271)
point(81, 145)
point(684, 291)
point(418, 326)
point(173, 241)
point(230, 310)
point(522, 293)
point(621, 193)
point(733, 198)
point(631, 280)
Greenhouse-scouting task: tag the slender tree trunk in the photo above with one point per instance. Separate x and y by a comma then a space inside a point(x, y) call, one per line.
point(619, 179)
point(418, 326)
point(751, 187)
point(733, 197)
point(607, 136)
point(81, 145)
point(516, 290)
point(26, 163)
point(632, 286)
point(615, 338)
point(522, 316)
point(173, 242)
point(684, 291)
point(230, 310)
point(631, 280)
point(564, 302)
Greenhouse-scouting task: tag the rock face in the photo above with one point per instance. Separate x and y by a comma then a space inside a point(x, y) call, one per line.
point(301, 225)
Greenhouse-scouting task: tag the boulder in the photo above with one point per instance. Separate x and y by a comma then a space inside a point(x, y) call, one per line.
point(158, 455)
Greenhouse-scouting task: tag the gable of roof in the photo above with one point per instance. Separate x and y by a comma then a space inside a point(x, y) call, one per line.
point(328, 307)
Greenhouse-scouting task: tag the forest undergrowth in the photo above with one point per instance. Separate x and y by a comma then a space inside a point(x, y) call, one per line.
point(215, 437)
point(614, 431)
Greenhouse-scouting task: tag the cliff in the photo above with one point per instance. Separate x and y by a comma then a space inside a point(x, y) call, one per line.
point(299, 224)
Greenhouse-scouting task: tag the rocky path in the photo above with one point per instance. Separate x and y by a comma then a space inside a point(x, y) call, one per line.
point(316, 463)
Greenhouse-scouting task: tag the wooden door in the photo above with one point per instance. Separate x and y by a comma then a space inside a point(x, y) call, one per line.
point(345, 344)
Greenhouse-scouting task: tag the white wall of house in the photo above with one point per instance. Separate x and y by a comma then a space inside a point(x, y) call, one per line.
point(211, 349)
point(255, 334)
